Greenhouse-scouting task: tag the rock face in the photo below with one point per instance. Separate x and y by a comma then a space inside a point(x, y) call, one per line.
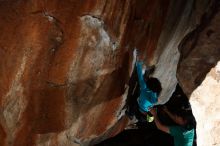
point(200, 50)
point(64, 65)
point(205, 101)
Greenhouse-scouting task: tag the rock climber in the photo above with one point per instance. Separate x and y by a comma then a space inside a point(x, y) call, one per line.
point(150, 89)
point(183, 132)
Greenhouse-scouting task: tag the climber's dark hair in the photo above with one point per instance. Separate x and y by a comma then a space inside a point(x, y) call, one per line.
point(154, 84)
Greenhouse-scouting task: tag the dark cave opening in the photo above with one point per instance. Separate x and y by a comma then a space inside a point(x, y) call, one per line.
point(145, 133)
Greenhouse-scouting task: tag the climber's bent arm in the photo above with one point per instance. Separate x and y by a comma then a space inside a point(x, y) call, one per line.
point(159, 125)
point(172, 116)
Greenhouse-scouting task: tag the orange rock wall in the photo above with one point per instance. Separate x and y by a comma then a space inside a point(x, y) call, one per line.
point(64, 66)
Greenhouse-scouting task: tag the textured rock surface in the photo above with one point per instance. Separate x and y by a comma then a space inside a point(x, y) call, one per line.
point(64, 65)
point(182, 18)
point(205, 101)
point(200, 50)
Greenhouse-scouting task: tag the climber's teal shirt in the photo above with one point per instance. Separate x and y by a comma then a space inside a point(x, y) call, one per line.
point(182, 136)
point(147, 97)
